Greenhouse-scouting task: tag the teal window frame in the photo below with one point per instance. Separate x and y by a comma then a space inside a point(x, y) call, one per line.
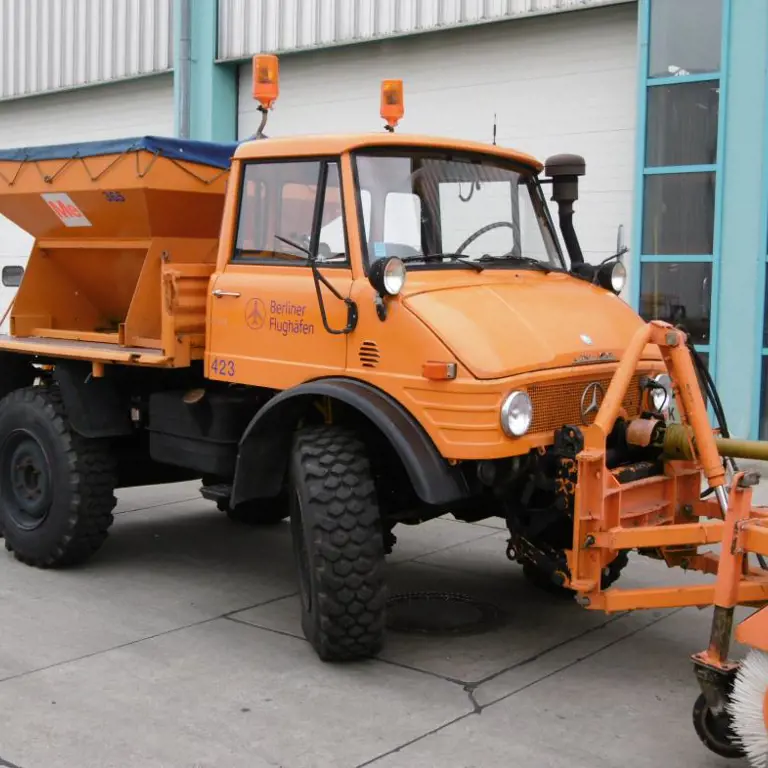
point(642, 171)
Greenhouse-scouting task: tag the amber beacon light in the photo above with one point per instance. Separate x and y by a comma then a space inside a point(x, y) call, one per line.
point(266, 79)
point(392, 106)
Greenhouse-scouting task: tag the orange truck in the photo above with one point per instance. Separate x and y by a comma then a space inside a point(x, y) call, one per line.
point(356, 332)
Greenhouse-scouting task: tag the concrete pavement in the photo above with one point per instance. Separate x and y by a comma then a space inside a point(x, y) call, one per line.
point(179, 645)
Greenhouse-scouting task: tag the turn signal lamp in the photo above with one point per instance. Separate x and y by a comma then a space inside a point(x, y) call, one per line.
point(439, 371)
point(392, 104)
point(266, 79)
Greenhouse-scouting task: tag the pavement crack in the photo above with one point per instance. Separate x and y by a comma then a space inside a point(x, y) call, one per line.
point(6, 764)
point(274, 631)
point(138, 640)
point(427, 672)
point(476, 706)
point(154, 506)
point(416, 740)
point(543, 652)
point(478, 709)
point(260, 604)
point(578, 660)
point(417, 558)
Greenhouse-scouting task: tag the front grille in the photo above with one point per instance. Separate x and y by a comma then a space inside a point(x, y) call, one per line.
point(556, 403)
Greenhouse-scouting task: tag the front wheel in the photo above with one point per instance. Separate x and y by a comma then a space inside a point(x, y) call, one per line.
point(338, 544)
point(715, 730)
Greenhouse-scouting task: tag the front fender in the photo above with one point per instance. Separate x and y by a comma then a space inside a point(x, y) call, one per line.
point(266, 443)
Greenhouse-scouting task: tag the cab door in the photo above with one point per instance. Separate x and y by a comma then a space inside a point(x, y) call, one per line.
point(266, 326)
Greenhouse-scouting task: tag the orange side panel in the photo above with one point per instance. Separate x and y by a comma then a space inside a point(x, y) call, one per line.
point(753, 631)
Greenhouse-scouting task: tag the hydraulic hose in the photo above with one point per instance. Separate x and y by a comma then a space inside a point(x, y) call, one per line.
point(717, 407)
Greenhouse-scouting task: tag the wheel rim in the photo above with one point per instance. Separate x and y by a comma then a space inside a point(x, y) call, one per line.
point(25, 480)
point(302, 554)
point(718, 733)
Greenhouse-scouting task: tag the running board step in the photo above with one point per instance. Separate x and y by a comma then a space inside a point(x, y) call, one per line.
point(218, 492)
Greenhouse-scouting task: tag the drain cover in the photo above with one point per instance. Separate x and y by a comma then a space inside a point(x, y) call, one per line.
point(440, 613)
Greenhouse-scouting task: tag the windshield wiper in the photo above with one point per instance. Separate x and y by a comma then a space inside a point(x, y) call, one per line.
point(535, 263)
point(295, 245)
point(440, 256)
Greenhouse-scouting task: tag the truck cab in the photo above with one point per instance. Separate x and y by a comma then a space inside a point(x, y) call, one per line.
point(414, 265)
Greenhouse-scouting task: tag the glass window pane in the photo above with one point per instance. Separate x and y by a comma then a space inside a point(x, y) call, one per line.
point(682, 124)
point(764, 402)
point(332, 243)
point(402, 219)
point(684, 37)
point(678, 293)
point(679, 214)
point(278, 202)
point(765, 314)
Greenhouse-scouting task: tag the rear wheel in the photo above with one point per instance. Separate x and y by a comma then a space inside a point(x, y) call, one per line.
point(338, 544)
point(56, 488)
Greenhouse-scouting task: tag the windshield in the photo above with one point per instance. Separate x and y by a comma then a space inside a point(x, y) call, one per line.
point(435, 210)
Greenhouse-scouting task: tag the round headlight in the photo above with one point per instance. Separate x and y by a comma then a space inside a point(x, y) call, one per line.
point(516, 414)
point(387, 275)
point(612, 276)
point(393, 277)
point(661, 392)
point(618, 277)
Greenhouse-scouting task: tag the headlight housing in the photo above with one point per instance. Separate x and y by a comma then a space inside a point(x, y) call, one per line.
point(516, 414)
point(387, 276)
point(612, 276)
point(660, 394)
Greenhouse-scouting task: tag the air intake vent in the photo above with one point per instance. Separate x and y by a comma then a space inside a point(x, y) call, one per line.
point(369, 354)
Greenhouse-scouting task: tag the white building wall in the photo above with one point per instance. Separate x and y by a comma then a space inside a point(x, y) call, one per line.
point(48, 45)
point(563, 83)
point(134, 108)
point(119, 110)
point(258, 26)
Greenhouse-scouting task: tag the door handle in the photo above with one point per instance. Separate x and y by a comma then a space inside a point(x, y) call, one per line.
point(218, 293)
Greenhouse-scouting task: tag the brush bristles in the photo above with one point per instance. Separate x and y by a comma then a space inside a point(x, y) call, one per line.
point(746, 707)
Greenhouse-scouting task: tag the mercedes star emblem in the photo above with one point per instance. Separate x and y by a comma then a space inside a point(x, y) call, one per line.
point(591, 400)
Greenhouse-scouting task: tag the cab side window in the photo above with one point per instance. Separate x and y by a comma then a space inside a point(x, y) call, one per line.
point(278, 212)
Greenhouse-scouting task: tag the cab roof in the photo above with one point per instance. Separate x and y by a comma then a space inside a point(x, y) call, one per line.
point(337, 144)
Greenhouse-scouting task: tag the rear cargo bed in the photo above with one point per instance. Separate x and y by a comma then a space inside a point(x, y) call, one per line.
point(126, 238)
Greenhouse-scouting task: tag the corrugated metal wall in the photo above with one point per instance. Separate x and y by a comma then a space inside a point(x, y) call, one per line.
point(255, 26)
point(47, 45)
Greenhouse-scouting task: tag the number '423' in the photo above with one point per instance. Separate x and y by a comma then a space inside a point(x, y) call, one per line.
point(223, 367)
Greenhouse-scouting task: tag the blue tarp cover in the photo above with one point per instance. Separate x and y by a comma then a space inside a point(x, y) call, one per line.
point(202, 152)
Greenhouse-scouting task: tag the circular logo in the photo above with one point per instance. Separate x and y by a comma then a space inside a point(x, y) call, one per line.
point(586, 339)
point(255, 314)
point(591, 400)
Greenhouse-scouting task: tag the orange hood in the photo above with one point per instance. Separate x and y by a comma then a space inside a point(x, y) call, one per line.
point(508, 323)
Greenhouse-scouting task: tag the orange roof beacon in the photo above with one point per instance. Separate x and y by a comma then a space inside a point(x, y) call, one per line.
point(354, 332)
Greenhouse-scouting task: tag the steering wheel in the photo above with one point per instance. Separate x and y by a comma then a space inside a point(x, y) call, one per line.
point(487, 228)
